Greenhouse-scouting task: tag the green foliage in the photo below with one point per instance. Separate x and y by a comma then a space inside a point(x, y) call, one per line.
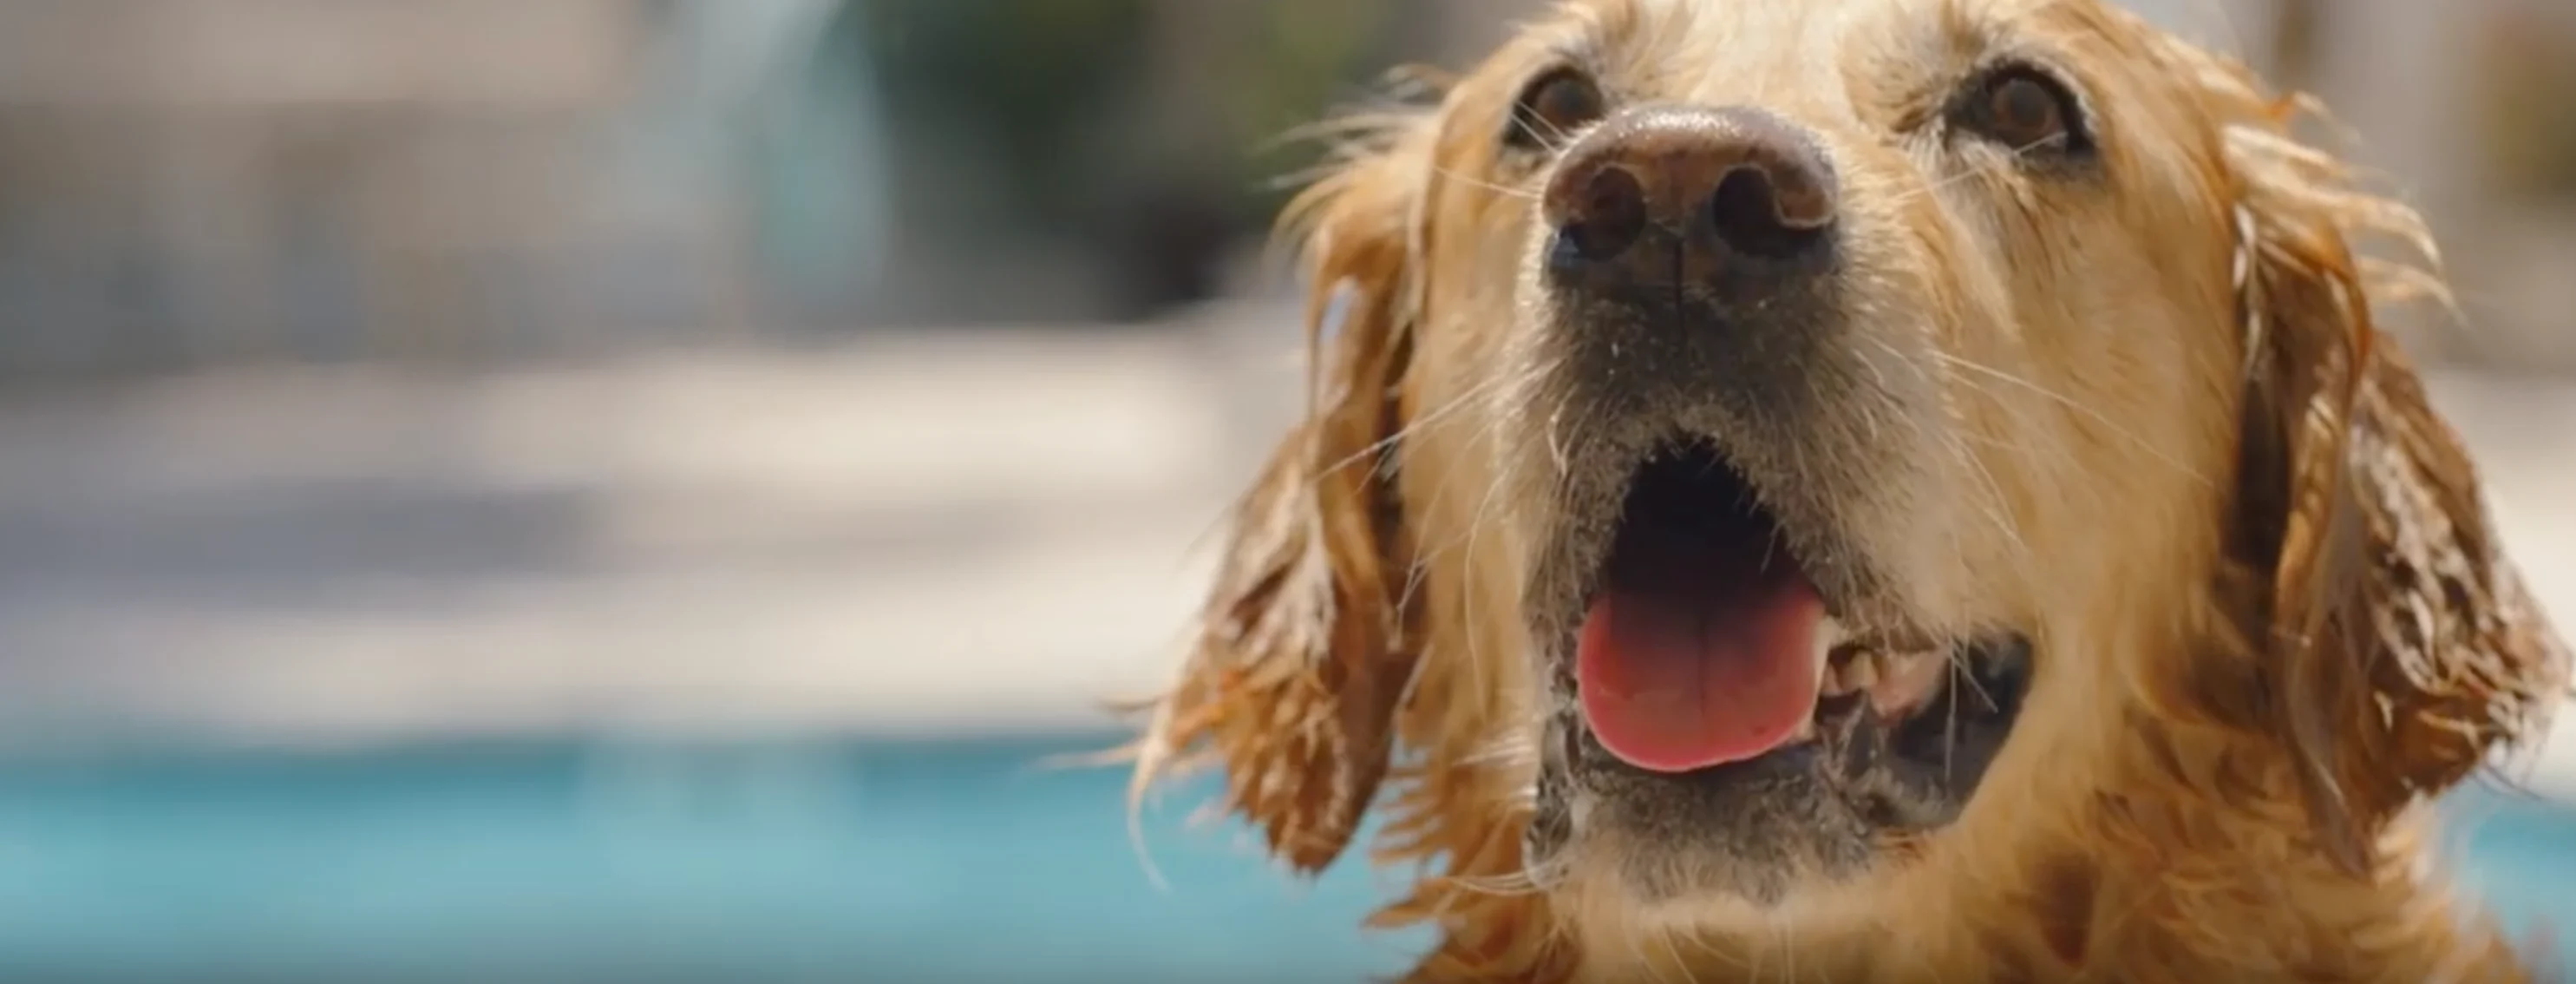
point(1314, 51)
point(1049, 88)
point(1019, 78)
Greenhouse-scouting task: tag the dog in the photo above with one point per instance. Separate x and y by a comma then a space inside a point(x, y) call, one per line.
point(1866, 490)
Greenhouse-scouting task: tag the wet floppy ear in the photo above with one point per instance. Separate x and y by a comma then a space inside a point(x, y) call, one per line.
point(1305, 648)
point(2397, 646)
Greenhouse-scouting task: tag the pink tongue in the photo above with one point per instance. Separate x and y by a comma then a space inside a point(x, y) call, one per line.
point(1696, 663)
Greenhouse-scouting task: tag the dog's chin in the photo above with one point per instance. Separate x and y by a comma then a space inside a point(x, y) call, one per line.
point(1888, 746)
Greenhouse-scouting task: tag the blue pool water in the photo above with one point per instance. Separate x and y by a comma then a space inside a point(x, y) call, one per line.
point(812, 861)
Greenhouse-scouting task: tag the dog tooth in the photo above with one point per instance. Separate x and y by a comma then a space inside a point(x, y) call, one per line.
point(1853, 673)
point(1829, 633)
point(1910, 678)
point(1861, 672)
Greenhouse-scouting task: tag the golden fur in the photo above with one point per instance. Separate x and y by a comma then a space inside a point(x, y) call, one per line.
point(2296, 626)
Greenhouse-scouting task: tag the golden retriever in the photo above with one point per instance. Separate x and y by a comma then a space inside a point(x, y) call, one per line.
point(1866, 490)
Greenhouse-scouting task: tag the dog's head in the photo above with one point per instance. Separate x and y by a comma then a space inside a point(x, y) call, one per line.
point(1766, 453)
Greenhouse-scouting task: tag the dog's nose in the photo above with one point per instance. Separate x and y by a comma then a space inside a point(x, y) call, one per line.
point(1727, 198)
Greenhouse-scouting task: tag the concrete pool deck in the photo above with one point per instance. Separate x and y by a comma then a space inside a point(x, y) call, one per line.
point(995, 530)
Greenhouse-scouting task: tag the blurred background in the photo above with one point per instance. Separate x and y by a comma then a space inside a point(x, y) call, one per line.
point(636, 490)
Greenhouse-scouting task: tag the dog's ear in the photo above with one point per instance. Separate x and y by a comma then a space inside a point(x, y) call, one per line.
point(1305, 647)
point(2397, 646)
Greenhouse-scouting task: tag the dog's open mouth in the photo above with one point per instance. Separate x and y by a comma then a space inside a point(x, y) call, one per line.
point(1706, 643)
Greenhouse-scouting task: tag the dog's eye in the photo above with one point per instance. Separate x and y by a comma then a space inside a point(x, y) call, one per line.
point(1552, 107)
point(2024, 110)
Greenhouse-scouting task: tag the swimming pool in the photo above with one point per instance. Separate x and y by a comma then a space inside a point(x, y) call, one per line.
point(840, 860)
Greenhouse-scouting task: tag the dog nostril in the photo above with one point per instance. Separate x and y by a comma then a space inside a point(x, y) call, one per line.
point(1610, 216)
point(1756, 214)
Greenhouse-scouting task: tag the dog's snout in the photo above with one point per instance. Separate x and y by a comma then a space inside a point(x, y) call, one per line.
point(1670, 193)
